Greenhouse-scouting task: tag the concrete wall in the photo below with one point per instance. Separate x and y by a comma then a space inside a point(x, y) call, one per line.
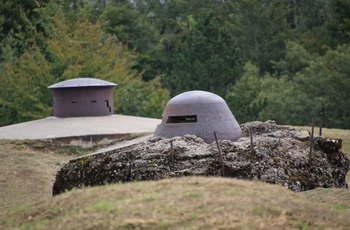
point(83, 101)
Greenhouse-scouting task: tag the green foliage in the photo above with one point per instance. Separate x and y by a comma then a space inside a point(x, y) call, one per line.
point(22, 88)
point(296, 60)
point(263, 98)
point(284, 102)
point(325, 83)
point(20, 21)
point(262, 30)
point(280, 59)
point(132, 29)
point(339, 23)
point(241, 97)
point(202, 55)
point(127, 25)
point(319, 85)
point(143, 99)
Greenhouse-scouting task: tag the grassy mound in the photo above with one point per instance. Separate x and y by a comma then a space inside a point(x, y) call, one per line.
point(181, 203)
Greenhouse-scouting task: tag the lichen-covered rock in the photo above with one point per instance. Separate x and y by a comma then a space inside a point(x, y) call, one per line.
point(280, 155)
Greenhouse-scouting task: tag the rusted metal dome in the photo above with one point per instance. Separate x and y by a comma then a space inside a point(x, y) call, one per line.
point(82, 97)
point(199, 113)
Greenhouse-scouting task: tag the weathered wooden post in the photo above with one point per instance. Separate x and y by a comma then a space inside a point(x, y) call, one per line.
point(321, 123)
point(171, 152)
point(251, 140)
point(220, 156)
point(312, 138)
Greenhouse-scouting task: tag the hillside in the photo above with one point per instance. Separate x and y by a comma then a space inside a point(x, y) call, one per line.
point(28, 170)
point(184, 203)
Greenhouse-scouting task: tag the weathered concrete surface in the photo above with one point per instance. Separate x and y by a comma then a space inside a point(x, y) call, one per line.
point(280, 156)
point(53, 127)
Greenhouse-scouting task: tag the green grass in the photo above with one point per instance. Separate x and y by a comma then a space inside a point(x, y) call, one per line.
point(192, 195)
point(26, 154)
point(257, 211)
point(301, 224)
point(104, 206)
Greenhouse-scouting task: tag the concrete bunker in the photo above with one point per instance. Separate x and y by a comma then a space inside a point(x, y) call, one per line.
point(82, 97)
point(199, 113)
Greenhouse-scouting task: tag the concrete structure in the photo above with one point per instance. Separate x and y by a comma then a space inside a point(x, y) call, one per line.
point(82, 97)
point(53, 127)
point(83, 123)
point(199, 113)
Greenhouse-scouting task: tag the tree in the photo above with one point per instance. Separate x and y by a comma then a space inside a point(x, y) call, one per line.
point(284, 102)
point(267, 97)
point(297, 58)
point(339, 21)
point(202, 54)
point(19, 24)
point(319, 84)
point(242, 97)
point(326, 82)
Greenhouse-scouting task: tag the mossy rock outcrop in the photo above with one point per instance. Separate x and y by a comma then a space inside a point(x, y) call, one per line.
point(279, 155)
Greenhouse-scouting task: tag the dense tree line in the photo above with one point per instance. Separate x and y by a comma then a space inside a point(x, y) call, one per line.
point(285, 60)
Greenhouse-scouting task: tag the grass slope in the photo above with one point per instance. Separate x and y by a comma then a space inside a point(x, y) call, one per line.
point(182, 203)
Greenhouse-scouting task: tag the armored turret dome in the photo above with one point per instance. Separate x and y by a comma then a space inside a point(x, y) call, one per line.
point(199, 113)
